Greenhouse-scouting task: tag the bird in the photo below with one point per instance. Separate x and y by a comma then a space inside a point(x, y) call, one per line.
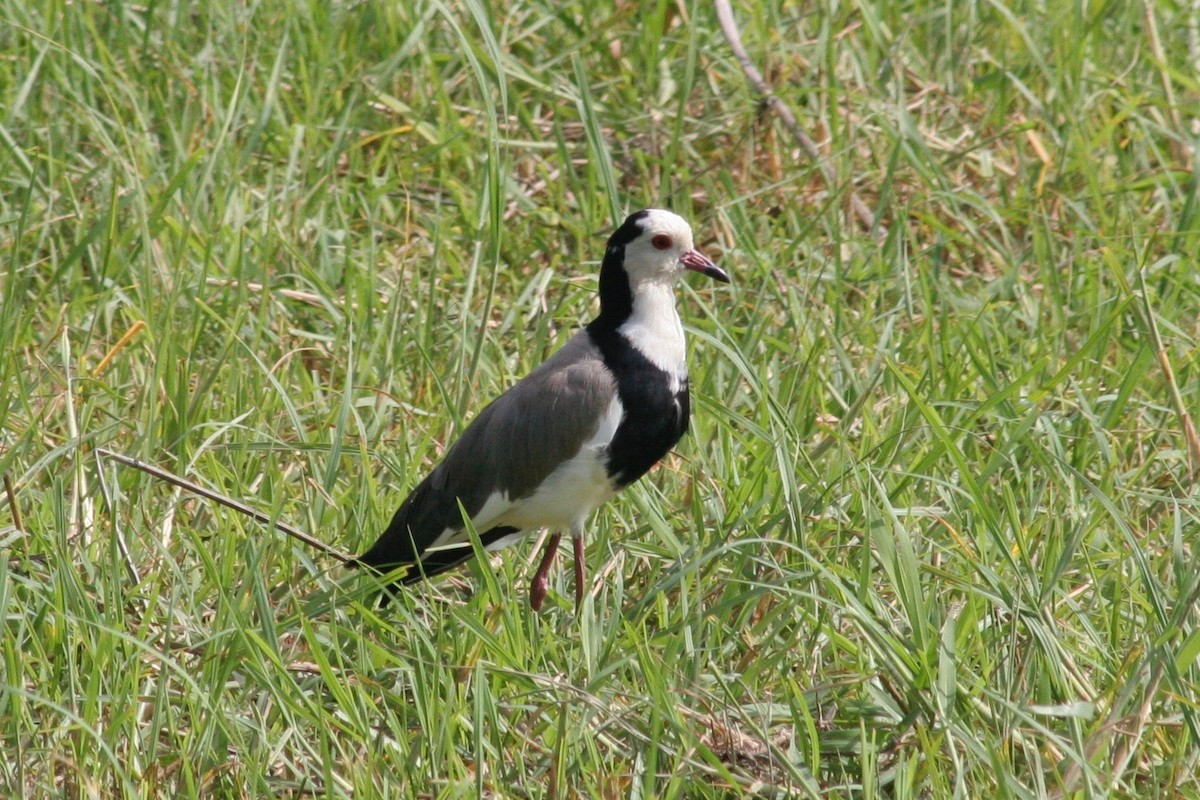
point(588, 422)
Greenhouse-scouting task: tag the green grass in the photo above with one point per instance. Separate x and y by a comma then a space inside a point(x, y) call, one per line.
point(933, 534)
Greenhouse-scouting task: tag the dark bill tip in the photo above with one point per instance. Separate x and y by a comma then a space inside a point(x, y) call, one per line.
point(698, 262)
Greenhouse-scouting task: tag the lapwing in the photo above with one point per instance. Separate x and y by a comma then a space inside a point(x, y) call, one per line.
point(592, 419)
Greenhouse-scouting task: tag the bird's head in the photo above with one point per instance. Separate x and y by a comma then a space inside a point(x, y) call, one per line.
point(656, 246)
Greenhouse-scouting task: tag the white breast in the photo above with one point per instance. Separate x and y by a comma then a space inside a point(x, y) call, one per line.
point(655, 330)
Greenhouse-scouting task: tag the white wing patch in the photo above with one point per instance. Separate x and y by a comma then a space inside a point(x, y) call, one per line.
point(493, 510)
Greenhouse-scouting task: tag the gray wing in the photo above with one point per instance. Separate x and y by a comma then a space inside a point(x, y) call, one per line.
point(512, 446)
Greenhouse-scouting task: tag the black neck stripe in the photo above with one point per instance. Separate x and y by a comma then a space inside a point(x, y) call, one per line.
point(616, 296)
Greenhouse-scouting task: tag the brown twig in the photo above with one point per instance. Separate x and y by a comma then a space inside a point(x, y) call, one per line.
point(1178, 148)
point(291, 294)
point(12, 503)
point(229, 502)
point(730, 29)
point(1164, 362)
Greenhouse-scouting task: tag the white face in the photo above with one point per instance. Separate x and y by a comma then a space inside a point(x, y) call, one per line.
point(655, 254)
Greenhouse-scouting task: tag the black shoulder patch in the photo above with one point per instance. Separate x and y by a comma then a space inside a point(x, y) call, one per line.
point(616, 298)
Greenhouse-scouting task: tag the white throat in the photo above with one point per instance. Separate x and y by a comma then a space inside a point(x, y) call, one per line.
point(655, 330)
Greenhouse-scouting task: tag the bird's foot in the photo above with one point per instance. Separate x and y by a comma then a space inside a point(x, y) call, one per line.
point(537, 592)
point(580, 589)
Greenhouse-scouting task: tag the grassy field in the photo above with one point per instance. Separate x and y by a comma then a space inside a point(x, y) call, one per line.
point(934, 533)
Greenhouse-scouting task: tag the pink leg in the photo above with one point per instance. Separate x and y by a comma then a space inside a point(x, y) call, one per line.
point(580, 589)
point(537, 587)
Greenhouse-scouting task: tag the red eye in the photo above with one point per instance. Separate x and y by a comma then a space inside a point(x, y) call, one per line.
point(661, 242)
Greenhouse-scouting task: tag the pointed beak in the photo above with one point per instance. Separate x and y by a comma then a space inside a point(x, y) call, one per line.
point(697, 262)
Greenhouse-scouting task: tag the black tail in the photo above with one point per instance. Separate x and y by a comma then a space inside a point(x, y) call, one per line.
point(395, 548)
